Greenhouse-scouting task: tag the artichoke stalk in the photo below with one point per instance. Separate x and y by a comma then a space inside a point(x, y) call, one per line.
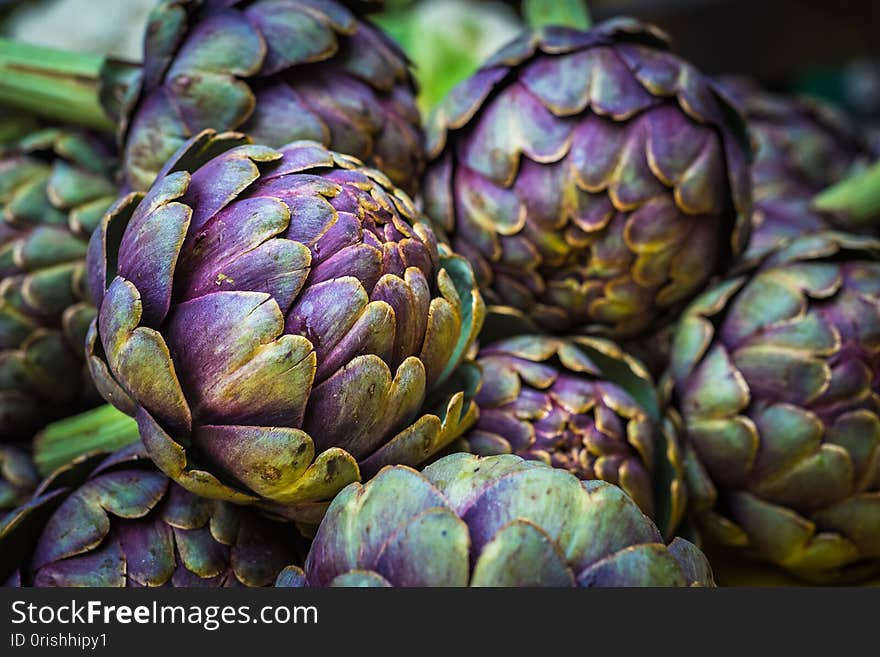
point(103, 429)
point(583, 405)
point(277, 320)
point(61, 86)
point(55, 184)
point(594, 180)
point(491, 521)
point(116, 521)
point(775, 374)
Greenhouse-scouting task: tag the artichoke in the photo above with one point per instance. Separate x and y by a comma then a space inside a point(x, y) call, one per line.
point(492, 521)
point(775, 374)
point(115, 521)
point(54, 186)
point(18, 477)
point(583, 405)
point(279, 70)
point(801, 143)
point(594, 180)
point(275, 321)
point(802, 146)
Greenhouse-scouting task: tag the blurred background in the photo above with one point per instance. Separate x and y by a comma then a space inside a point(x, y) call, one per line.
point(828, 48)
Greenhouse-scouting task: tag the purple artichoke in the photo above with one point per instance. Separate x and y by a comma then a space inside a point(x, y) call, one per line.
point(583, 405)
point(594, 180)
point(117, 521)
point(776, 376)
point(492, 521)
point(800, 142)
point(54, 186)
point(802, 146)
point(280, 70)
point(275, 320)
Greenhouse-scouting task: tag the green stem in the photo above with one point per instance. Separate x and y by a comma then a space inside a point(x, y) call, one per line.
point(567, 13)
point(104, 428)
point(858, 197)
point(53, 84)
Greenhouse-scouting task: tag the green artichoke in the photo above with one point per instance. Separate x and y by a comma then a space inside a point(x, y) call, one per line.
point(279, 70)
point(802, 146)
point(276, 321)
point(18, 477)
point(117, 521)
point(776, 377)
point(54, 186)
point(594, 180)
point(492, 521)
point(583, 405)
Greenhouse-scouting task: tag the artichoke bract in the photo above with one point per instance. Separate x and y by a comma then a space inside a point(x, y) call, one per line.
point(55, 185)
point(775, 376)
point(594, 180)
point(279, 70)
point(115, 521)
point(583, 405)
point(802, 146)
point(18, 477)
point(275, 321)
point(492, 521)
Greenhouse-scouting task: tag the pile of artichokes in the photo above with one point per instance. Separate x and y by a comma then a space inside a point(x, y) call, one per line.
point(583, 326)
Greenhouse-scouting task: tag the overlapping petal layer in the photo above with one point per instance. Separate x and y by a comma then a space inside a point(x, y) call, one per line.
point(594, 180)
point(281, 70)
point(492, 521)
point(54, 186)
point(776, 376)
point(801, 146)
point(583, 405)
point(117, 521)
point(275, 321)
